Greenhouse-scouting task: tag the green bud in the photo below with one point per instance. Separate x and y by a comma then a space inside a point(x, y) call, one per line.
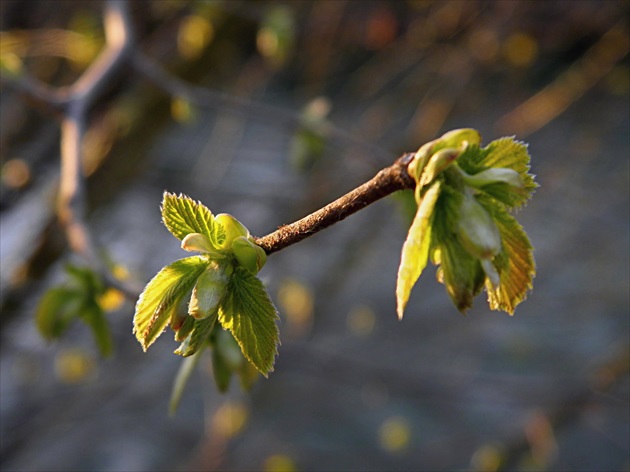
point(248, 254)
point(209, 290)
point(437, 164)
point(200, 243)
point(492, 176)
point(233, 228)
point(476, 230)
point(458, 138)
point(420, 159)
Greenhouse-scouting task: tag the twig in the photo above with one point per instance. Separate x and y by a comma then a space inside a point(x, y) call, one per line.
point(385, 182)
point(81, 96)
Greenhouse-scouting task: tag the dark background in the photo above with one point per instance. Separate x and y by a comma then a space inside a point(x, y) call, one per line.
point(353, 388)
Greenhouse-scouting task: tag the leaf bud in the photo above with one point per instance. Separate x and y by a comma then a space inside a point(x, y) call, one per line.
point(476, 230)
point(200, 243)
point(209, 290)
point(248, 254)
point(233, 228)
point(437, 164)
point(492, 176)
point(458, 138)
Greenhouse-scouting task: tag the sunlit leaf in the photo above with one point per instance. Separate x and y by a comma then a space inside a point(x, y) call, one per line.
point(162, 295)
point(249, 314)
point(515, 263)
point(182, 216)
point(415, 251)
point(502, 153)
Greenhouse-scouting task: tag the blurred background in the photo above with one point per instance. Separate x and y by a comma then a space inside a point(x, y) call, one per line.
point(290, 105)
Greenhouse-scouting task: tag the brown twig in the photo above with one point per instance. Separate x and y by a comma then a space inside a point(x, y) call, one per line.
point(75, 101)
point(385, 182)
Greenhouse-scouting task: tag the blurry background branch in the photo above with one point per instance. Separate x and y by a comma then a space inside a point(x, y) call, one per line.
point(74, 103)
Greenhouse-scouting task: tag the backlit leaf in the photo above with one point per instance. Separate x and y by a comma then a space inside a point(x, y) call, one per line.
point(162, 295)
point(415, 251)
point(515, 263)
point(249, 314)
point(182, 216)
point(502, 153)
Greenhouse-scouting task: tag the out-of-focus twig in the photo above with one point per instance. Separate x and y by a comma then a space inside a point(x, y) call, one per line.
point(556, 97)
point(74, 103)
point(291, 120)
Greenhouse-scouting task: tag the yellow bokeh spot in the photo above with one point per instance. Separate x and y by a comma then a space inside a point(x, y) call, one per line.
point(361, 320)
point(10, 63)
point(296, 303)
point(111, 300)
point(195, 33)
point(230, 419)
point(182, 110)
point(73, 366)
point(395, 434)
point(520, 49)
point(487, 458)
point(279, 463)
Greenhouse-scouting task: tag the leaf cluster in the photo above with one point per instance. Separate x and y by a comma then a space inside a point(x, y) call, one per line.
point(228, 305)
point(464, 194)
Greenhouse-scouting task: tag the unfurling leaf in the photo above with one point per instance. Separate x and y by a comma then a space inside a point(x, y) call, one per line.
point(183, 216)
point(515, 263)
point(232, 227)
point(248, 254)
point(469, 233)
point(162, 295)
point(476, 231)
point(503, 153)
point(209, 290)
point(198, 337)
point(249, 314)
point(415, 251)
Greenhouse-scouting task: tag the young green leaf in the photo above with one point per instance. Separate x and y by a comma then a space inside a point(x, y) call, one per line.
point(249, 314)
point(198, 337)
point(162, 295)
point(459, 271)
point(502, 153)
point(209, 290)
point(415, 251)
point(57, 308)
point(515, 263)
point(182, 216)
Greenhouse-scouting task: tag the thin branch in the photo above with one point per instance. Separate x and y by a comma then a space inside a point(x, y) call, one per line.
point(385, 182)
point(82, 95)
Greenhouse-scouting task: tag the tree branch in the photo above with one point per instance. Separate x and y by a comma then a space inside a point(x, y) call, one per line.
point(385, 182)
